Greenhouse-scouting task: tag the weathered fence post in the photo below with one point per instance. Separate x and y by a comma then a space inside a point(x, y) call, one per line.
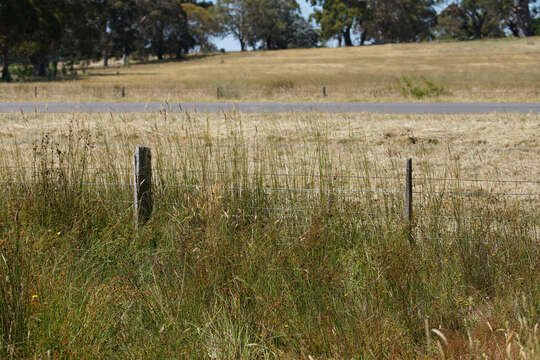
point(123, 91)
point(35, 92)
point(409, 201)
point(143, 185)
point(324, 91)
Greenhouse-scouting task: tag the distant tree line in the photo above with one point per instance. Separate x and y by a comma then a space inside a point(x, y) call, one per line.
point(43, 33)
point(392, 21)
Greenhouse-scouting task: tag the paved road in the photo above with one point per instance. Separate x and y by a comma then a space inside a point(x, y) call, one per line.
point(408, 108)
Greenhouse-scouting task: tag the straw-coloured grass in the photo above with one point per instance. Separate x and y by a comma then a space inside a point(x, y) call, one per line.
point(504, 70)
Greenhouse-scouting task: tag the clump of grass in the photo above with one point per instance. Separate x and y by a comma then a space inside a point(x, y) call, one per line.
point(281, 84)
point(420, 88)
point(15, 293)
point(226, 91)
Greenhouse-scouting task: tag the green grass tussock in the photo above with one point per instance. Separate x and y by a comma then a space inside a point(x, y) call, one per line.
point(227, 269)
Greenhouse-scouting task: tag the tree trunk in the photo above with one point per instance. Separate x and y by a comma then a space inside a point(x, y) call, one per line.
point(125, 56)
point(5, 62)
point(242, 44)
point(106, 44)
point(40, 66)
point(523, 16)
point(347, 36)
point(363, 38)
point(514, 29)
point(478, 25)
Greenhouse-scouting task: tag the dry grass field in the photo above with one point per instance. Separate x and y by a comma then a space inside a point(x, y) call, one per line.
point(506, 70)
point(494, 146)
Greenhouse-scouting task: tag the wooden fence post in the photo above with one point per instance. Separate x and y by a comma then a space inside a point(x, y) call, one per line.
point(123, 91)
point(35, 92)
point(143, 185)
point(324, 91)
point(409, 201)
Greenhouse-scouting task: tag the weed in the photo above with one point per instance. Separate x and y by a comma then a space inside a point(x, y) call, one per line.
point(428, 88)
point(226, 91)
point(281, 84)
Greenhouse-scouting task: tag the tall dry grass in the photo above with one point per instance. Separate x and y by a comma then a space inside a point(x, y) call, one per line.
point(261, 244)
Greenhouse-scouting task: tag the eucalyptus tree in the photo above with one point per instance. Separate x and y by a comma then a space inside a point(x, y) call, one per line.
point(339, 18)
point(160, 25)
point(17, 19)
point(379, 20)
point(302, 34)
point(202, 23)
point(521, 18)
point(126, 18)
point(477, 19)
point(271, 22)
point(402, 21)
point(232, 15)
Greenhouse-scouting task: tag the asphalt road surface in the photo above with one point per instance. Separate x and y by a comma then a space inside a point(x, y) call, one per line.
point(251, 107)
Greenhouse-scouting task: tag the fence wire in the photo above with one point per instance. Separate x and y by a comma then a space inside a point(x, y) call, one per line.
point(418, 180)
point(287, 189)
point(330, 141)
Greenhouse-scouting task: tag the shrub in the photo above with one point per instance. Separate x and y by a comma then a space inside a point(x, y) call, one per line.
point(422, 88)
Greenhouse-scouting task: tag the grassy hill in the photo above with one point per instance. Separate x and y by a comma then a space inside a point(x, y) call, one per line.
point(502, 70)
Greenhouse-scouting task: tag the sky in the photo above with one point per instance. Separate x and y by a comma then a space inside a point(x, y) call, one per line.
point(230, 44)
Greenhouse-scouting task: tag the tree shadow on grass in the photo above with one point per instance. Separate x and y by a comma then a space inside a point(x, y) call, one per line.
point(36, 79)
point(118, 73)
point(191, 57)
point(88, 72)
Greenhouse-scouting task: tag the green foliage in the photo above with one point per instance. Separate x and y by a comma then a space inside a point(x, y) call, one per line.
point(275, 24)
point(302, 34)
point(233, 18)
point(15, 294)
point(420, 88)
point(17, 20)
point(470, 19)
point(226, 91)
point(339, 17)
point(23, 71)
point(279, 85)
point(403, 21)
point(282, 84)
point(384, 21)
point(535, 26)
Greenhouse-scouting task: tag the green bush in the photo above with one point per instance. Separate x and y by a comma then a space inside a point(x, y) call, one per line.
point(535, 26)
point(226, 91)
point(420, 88)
